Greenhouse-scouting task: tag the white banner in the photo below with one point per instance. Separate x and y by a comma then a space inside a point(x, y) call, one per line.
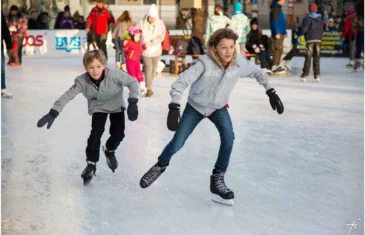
point(58, 43)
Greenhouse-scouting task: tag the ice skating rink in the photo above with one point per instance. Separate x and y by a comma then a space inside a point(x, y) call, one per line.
point(298, 173)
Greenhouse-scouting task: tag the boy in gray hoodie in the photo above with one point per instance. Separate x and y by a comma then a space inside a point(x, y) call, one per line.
point(103, 89)
point(212, 79)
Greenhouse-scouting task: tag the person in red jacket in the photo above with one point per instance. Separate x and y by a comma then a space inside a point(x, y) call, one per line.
point(99, 20)
point(133, 48)
point(349, 36)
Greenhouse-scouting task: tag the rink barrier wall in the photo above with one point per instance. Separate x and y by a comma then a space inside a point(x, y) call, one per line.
point(73, 43)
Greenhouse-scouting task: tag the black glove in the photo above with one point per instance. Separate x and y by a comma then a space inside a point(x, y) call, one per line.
point(132, 109)
point(275, 101)
point(173, 117)
point(48, 118)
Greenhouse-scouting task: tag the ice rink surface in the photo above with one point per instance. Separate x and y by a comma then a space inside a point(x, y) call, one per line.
point(297, 173)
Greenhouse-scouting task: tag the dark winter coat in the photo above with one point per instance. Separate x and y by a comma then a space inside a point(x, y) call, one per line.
point(67, 23)
point(33, 24)
point(277, 20)
point(5, 34)
point(253, 38)
point(312, 27)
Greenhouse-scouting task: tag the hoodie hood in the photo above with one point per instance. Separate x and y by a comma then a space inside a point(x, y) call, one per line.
point(237, 7)
point(215, 57)
point(153, 11)
point(315, 16)
point(275, 4)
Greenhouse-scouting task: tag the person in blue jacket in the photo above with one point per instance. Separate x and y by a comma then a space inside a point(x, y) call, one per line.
point(211, 82)
point(278, 32)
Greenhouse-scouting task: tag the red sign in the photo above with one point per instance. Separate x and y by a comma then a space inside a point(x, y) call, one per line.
point(31, 40)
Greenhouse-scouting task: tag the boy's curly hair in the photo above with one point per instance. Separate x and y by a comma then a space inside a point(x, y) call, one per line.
point(90, 56)
point(221, 34)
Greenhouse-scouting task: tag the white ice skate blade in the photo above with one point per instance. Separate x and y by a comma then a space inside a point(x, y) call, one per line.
point(218, 199)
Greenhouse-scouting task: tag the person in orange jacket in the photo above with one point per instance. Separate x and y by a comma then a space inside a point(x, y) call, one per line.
point(99, 20)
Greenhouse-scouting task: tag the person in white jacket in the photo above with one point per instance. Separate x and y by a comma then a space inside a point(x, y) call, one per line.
point(153, 33)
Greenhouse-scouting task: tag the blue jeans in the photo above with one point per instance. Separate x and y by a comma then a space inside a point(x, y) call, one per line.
point(119, 53)
point(263, 57)
point(2, 70)
point(189, 120)
point(359, 44)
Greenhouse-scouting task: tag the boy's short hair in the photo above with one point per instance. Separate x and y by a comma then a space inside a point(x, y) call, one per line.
point(90, 56)
point(221, 34)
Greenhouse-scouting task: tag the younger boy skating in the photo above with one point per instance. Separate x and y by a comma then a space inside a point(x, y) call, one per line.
point(103, 89)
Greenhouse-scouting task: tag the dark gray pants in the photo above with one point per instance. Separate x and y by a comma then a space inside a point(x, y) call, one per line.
point(313, 50)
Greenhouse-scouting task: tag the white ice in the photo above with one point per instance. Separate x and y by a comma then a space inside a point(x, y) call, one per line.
point(297, 173)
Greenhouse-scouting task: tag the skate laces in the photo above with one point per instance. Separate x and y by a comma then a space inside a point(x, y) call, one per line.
point(219, 183)
point(152, 174)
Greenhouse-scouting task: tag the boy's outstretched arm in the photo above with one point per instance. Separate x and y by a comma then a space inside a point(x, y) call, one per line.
point(249, 69)
point(60, 104)
point(126, 80)
point(177, 89)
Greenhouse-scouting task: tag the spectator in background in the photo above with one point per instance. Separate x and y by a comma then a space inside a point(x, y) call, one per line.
point(349, 36)
point(241, 25)
point(32, 21)
point(18, 26)
point(256, 46)
point(358, 28)
point(313, 32)
point(153, 34)
point(81, 23)
point(331, 26)
point(119, 30)
point(66, 21)
point(278, 32)
point(43, 20)
point(5, 36)
point(216, 21)
point(338, 23)
point(184, 20)
point(60, 15)
point(98, 21)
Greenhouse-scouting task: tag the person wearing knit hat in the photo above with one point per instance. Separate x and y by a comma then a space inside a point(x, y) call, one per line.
point(312, 8)
point(312, 29)
point(240, 24)
point(255, 45)
point(153, 34)
point(59, 17)
point(349, 36)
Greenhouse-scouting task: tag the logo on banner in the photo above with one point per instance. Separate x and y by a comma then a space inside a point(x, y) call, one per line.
point(68, 43)
point(31, 40)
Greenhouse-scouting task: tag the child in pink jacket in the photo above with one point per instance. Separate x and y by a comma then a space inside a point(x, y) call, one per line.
point(133, 48)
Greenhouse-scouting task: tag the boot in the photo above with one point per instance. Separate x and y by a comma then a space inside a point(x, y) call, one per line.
point(88, 173)
point(221, 193)
point(110, 158)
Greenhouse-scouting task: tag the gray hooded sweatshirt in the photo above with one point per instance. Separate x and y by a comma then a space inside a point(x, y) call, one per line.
point(108, 98)
point(211, 84)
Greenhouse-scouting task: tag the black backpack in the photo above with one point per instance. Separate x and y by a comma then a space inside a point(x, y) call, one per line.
point(195, 46)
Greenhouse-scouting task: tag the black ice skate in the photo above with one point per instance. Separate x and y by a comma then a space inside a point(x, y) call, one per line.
point(88, 173)
point(110, 158)
point(221, 194)
point(151, 175)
